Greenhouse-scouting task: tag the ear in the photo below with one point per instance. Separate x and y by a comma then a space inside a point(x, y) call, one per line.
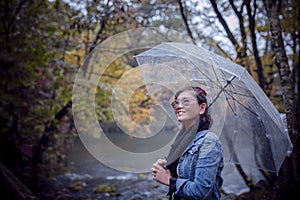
point(202, 108)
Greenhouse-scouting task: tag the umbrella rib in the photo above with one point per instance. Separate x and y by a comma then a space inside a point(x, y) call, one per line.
point(240, 94)
point(219, 85)
point(241, 104)
point(200, 70)
point(232, 92)
point(230, 106)
point(227, 97)
point(229, 81)
point(222, 89)
point(237, 93)
point(218, 80)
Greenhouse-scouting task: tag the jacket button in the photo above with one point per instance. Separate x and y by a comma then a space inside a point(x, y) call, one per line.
point(181, 158)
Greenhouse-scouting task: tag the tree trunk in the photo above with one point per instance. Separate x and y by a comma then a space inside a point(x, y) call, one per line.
point(288, 87)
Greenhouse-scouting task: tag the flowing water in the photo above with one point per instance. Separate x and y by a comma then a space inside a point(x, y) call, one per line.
point(88, 174)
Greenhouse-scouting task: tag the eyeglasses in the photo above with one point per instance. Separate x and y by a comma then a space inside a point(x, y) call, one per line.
point(185, 102)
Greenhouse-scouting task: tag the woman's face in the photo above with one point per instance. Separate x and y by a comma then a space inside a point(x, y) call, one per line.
point(187, 108)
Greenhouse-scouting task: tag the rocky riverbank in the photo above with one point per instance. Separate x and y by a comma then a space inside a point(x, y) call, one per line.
point(90, 179)
point(121, 187)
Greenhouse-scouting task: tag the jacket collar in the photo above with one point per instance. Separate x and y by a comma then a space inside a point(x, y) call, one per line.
point(198, 135)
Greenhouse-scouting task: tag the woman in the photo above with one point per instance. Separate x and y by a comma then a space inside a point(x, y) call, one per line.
point(193, 167)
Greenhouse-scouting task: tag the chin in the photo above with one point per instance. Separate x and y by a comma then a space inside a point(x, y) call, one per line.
point(179, 119)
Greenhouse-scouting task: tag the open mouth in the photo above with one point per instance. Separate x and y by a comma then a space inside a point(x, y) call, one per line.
point(179, 113)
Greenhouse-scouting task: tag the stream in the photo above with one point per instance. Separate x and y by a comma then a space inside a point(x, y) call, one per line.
point(90, 179)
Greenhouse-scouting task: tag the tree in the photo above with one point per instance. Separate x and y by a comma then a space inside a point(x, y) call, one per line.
point(35, 82)
point(287, 82)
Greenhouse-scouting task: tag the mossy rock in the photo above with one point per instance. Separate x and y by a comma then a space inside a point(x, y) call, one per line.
point(77, 187)
point(105, 188)
point(143, 175)
point(154, 186)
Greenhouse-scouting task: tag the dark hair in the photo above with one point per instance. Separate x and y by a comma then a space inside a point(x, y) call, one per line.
point(205, 120)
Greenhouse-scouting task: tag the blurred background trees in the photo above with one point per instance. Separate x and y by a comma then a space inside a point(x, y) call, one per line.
point(44, 43)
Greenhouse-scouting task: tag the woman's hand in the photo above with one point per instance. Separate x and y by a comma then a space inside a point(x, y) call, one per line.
point(160, 172)
point(161, 162)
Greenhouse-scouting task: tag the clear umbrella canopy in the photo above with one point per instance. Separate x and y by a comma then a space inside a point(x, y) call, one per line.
point(248, 124)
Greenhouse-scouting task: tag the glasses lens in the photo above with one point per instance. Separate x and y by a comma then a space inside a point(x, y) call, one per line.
point(175, 104)
point(184, 102)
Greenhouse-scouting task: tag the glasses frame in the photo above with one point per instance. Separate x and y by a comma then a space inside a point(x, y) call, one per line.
point(186, 102)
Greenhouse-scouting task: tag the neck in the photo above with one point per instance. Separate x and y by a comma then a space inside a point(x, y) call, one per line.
point(189, 124)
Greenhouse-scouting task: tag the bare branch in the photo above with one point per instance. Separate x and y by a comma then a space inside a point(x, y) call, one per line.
point(185, 21)
point(251, 17)
point(242, 28)
point(226, 27)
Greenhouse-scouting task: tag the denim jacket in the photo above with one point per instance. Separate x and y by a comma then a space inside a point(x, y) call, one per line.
point(199, 169)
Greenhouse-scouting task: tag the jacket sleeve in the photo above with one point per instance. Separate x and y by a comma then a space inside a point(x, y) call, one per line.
point(209, 156)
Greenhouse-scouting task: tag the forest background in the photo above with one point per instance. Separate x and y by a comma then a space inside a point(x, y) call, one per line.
point(44, 43)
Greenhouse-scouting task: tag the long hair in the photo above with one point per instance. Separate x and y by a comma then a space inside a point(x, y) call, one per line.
point(205, 120)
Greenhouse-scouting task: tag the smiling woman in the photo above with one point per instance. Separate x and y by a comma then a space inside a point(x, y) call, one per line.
point(194, 164)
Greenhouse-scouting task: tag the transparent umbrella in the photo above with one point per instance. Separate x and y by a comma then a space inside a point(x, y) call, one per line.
point(250, 127)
